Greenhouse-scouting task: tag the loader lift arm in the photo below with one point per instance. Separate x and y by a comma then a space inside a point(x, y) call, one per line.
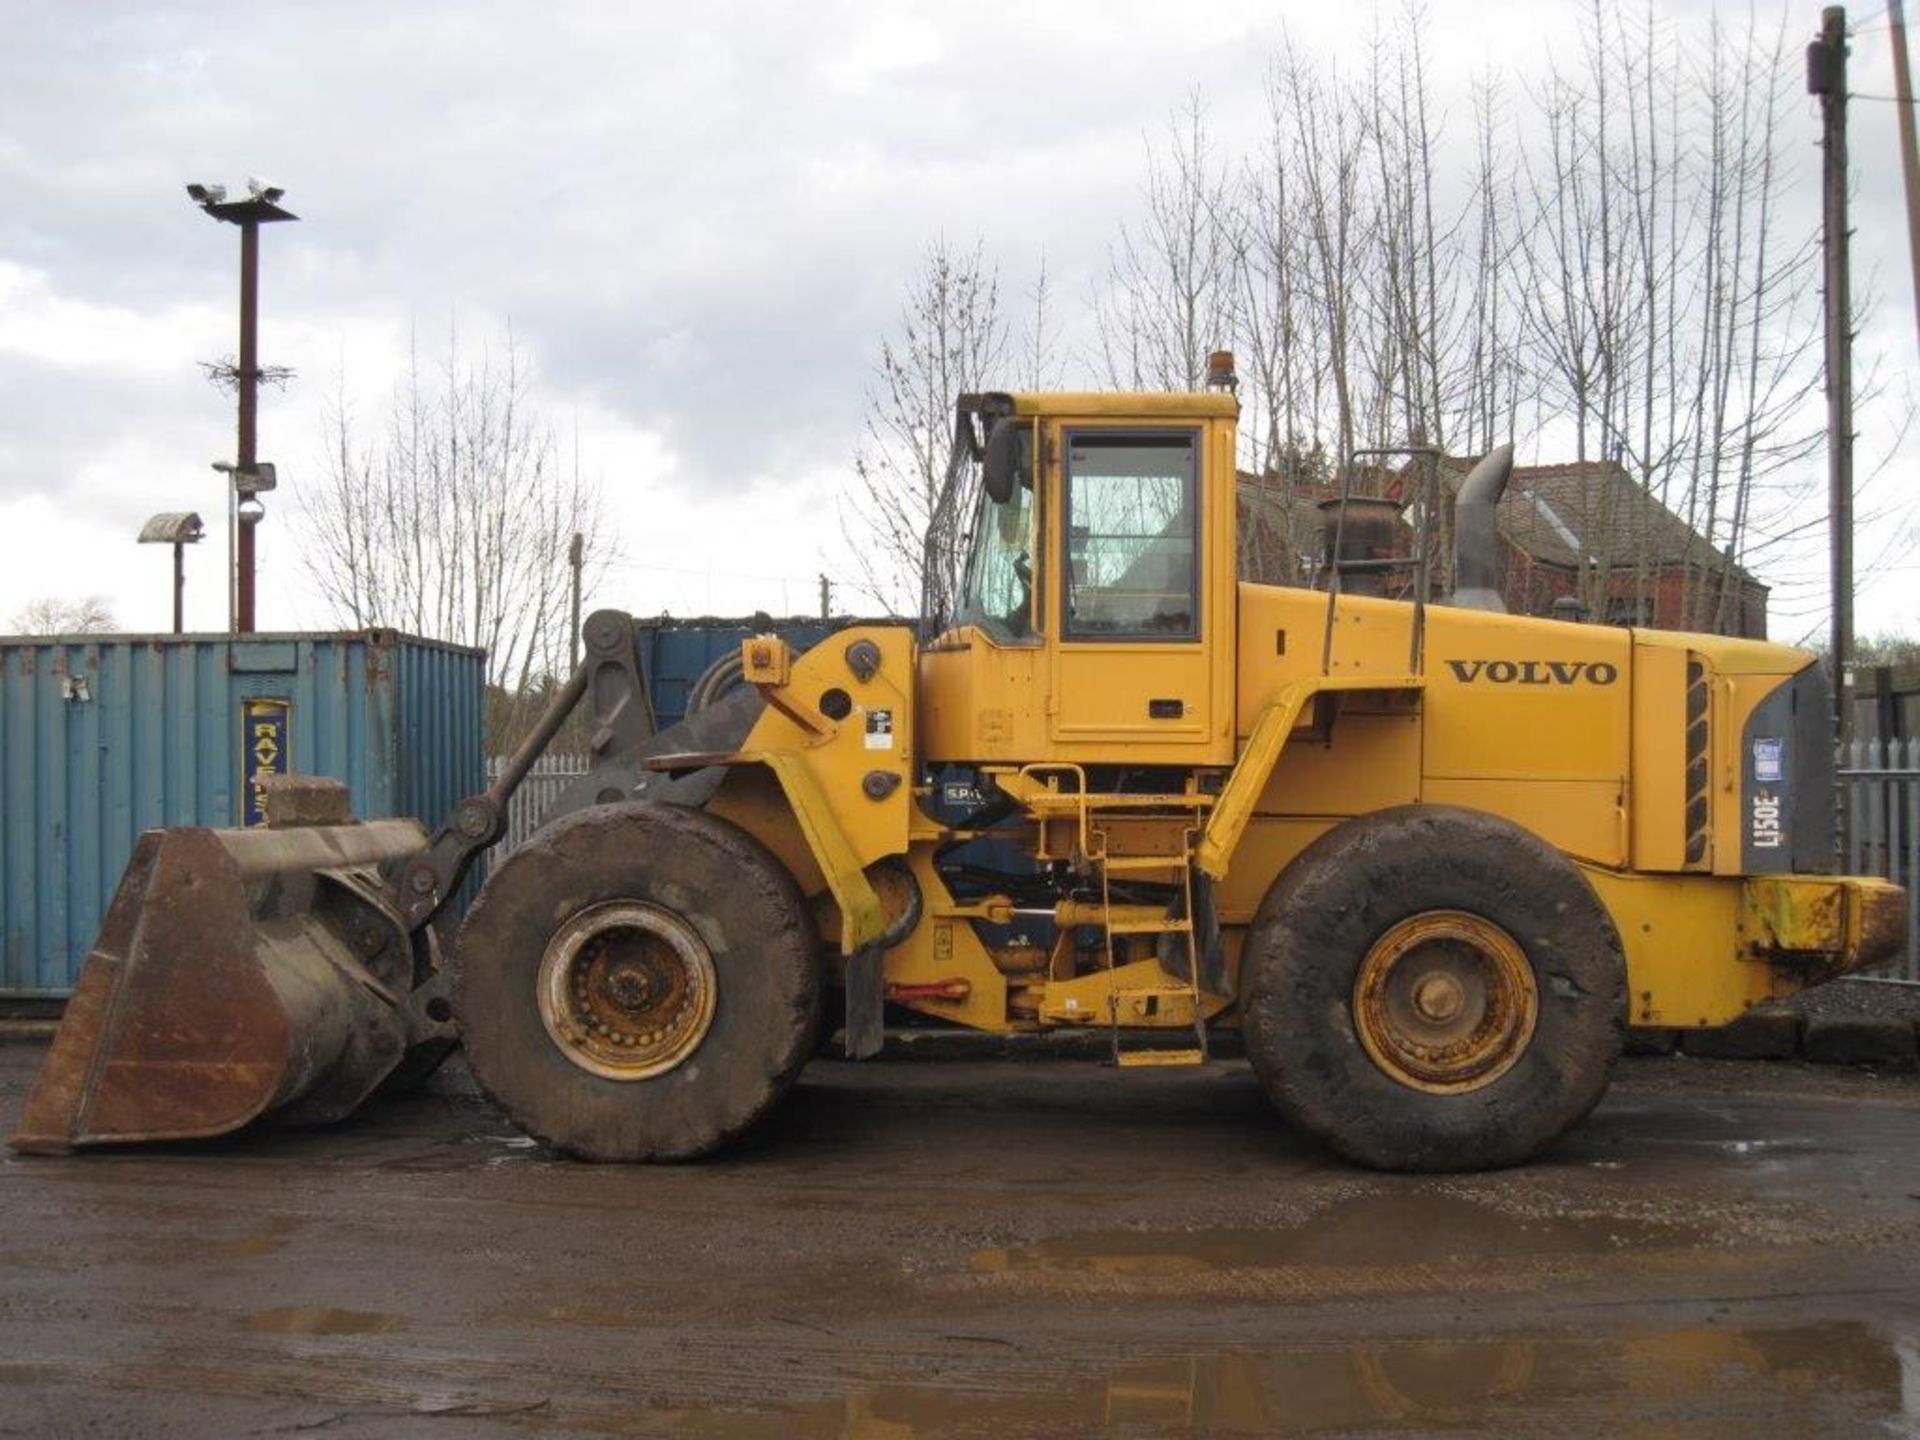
point(428, 880)
point(610, 672)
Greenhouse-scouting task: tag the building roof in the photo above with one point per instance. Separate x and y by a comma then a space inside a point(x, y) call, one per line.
point(1560, 515)
point(1592, 511)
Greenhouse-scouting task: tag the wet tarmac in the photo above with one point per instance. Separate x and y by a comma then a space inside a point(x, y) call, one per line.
point(984, 1249)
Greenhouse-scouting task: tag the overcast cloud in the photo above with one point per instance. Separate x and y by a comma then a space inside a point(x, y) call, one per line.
point(697, 220)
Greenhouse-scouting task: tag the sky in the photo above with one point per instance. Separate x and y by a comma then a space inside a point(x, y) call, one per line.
point(696, 221)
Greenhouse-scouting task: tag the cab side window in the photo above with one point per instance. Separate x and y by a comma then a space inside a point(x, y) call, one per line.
point(1133, 537)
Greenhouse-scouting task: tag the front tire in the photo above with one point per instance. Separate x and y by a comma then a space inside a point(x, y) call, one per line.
point(637, 982)
point(1433, 989)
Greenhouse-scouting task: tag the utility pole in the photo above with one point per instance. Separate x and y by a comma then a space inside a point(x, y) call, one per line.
point(1909, 150)
point(1827, 78)
point(826, 597)
point(576, 560)
point(249, 478)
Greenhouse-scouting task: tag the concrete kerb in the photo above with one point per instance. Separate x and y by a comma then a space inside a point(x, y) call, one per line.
point(1855, 1021)
point(1861, 1040)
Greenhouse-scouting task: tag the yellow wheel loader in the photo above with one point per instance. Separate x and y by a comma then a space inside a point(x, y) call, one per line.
point(1431, 859)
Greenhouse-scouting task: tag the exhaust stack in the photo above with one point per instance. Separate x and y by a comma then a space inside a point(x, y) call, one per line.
point(1476, 576)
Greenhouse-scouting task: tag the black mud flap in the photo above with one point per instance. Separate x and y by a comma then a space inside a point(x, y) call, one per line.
point(1206, 937)
point(866, 1003)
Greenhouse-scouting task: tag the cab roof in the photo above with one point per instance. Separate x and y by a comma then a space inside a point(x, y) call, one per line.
point(1127, 405)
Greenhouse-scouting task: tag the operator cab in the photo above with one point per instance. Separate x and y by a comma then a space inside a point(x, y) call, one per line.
point(1082, 555)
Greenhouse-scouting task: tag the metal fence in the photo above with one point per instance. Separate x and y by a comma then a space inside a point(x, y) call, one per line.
point(1882, 782)
point(551, 775)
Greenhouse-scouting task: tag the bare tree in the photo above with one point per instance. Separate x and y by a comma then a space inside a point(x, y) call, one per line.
point(1668, 307)
point(1171, 290)
point(451, 516)
point(57, 615)
point(1326, 130)
point(1040, 343)
point(1489, 399)
point(950, 338)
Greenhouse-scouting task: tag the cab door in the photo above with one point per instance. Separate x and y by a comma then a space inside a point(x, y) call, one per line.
point(1132, 677)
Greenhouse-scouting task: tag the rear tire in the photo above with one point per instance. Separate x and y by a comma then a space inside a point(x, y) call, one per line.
point(1433, 989)
point(637, 982)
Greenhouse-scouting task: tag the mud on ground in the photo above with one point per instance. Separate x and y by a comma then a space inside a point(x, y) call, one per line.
point(990, 1249)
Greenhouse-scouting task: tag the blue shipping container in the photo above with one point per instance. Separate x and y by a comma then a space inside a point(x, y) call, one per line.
point(104, 736)
point(676, 653)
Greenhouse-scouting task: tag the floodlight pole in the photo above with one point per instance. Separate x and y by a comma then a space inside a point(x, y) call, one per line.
point(179, 587)
point(245, 481)
point(249, 390)
point(576, 558)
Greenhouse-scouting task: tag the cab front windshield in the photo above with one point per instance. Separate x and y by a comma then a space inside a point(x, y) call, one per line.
point(996, 592)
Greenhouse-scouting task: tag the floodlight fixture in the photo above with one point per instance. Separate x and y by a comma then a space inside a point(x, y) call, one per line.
point(178, 528)
point(173, 527)
point(261, 478)
point(261, 207)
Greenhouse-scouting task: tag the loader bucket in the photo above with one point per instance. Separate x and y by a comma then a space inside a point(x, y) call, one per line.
point(237, 973)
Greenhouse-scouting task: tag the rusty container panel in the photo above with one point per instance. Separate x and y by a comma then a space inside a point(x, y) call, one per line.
point(105, 736)
point(1373, 535)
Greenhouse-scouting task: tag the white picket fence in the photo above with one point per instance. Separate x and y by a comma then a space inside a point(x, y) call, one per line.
point(551, 775)
point(1882, 784)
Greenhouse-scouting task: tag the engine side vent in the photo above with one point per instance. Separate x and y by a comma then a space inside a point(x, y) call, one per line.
point(1699, 744)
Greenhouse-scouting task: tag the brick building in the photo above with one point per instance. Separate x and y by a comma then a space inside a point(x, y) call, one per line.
point(1583, 533)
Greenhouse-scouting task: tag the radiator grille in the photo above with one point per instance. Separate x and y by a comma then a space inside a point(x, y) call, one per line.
point(1699, 743)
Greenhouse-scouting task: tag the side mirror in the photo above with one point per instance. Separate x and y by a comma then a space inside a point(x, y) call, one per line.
point(999, 471)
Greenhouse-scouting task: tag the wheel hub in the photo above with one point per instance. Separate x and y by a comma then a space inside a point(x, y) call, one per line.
point(1445, 1002)
point(630, 987)
point(626, 990)
point(1438, 998)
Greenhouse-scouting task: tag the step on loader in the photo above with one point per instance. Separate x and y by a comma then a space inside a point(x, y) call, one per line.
point(1430, 858)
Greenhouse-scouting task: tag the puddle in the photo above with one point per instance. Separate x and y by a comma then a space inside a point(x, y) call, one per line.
point(321, 1320)
point(468, 1152)
point(1397, 1232)
point(1843, 1378)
